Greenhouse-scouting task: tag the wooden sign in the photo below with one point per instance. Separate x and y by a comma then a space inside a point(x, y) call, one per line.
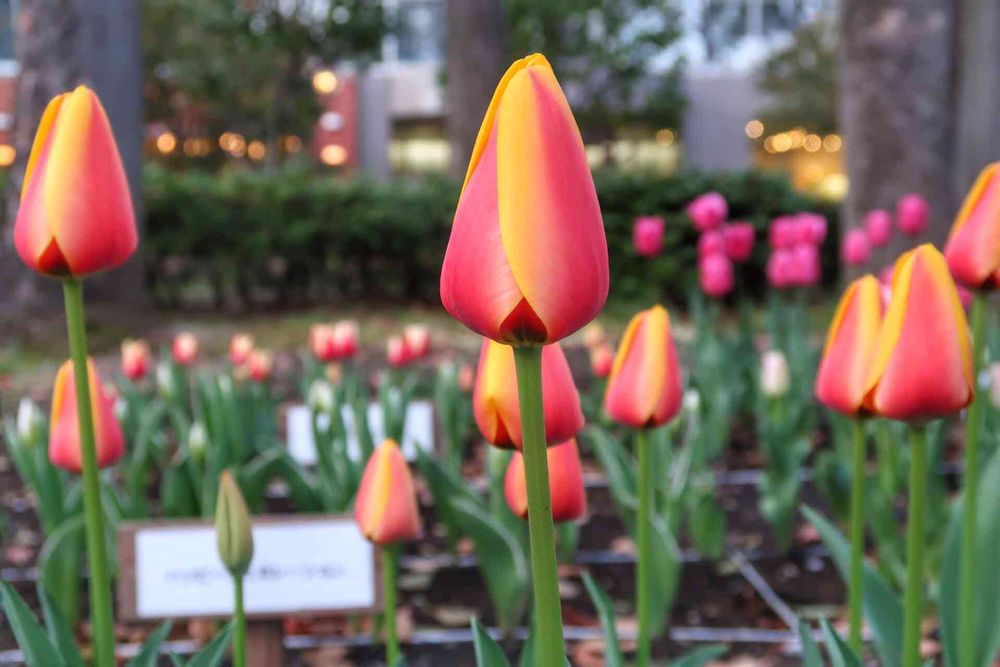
point(302, 565)
point(418, 430)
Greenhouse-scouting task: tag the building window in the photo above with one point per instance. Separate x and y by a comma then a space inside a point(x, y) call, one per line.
point(421, 30)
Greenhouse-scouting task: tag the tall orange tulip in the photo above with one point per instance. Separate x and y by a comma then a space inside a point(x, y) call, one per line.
point(75, 216)
point(922, 365)
point(386, 505)
point(644, 388)
point(973, 247)
point(850, 347)
point(527, 262)
point(64, 432)
point(495, 400)
point(569, 500)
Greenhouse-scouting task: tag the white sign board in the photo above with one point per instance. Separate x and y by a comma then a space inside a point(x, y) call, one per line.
point(418, 430)
point(300, 565)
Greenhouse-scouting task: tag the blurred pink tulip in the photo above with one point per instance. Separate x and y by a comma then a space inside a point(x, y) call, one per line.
point(912, 213)
point(715, 274)
point(708, 211)
point(712, 242)
point(878, 227)
point(811, 228)
point(739, 240)
point(780, 270)
point(396, 352)
point(417, 340)
point(783, 232)
point(805, 265)
point(647, 235)
point(855, 250)
point(965, 296)
point(885, 275)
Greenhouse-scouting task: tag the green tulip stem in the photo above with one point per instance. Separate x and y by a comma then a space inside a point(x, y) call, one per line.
point(970, 493)
point(643, 564)
point(97, 559)
point(389, 592)
point(240, 631)
point(548, 609)
point(857, 535)
point(914, 597)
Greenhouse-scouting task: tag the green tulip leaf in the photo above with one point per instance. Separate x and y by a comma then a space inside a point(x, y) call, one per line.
point(36, 647)
point(488, 652)
point(149, 652)
point(612, 649)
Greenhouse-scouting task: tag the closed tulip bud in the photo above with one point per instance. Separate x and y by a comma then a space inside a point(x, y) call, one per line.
point(75, 217)
point(647, 235)
point(602, 358)
point(64, 429)
point(912, 213)
point(644, 388)
point(569, 499)
point(922, 366)
point(233, 530)
point(715, 275)
point(197, 441)
point(321, 398)
point(495, 398)
point(773, 374)
point(396, 352)
point(855, 250)
point(165, 381)
point(878, 227)
point(973, 248)
point(185, 349)
point(260, 365)
point(739, 240)
point(135, 359)
point(842, 378)
point(417, 338)
point(783, 232)
point(30, 422)
point(240, 348)
point(322, 342)
point(385, 508)
point(708, 211)
point(805, 265)
point(593, 335)
point(527, 261)
point(811, 228)
point(345, 339)
point(712, 242)
point(780, 268)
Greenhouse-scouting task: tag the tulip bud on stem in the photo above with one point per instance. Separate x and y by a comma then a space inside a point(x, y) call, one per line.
point(643, 565)
point(857, 535)
point(548, 610)
point(914, 598)
point(970, 492)
point(97, 560)
point(389, 566)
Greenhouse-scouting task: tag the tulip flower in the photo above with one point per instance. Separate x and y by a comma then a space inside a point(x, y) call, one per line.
point(905, 381)
point(708, 211)
point(322, 342)
point(774, 379)
point(644, 388)
point(602, 358)
point(417, 339)
point(878, 227)
point(185, 348)
point(260, 364)
point(240, 347)
point(569, 500)
point(712, 242)
point(715, 275)
point(739, 238)
point(784, 232)
point(593, 335)
point(850, 347)
point(855, 250)
point(396, 352)
point(64, 429)
point(805, 265)
point(973, 247)
point(345, 339)
point(780, 268)
point(496, 404)
point(135, 359)
point(234, 540)
point(75, 217)
point(811, 228)
point(912, 213)
point(466, 378)
point(527, 261)
point(647, 235)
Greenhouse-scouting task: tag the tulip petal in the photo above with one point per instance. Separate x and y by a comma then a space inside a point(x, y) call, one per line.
point(566, 489)
point(386, 507)
point(64, 435)
point(638, 376)
point(973, 248)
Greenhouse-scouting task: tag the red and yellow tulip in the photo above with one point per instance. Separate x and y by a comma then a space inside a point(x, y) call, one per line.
point(644, 388)
point(569, 499)
point(135, 359)
point(240, 347)
point(260, 365)
point(850, 347)
point(75, 216)
point(386, 505)
point(922, 364)
point(973, 248)
point(185, 348)
point(64, 431)
point(495, 398)
point(527, 262)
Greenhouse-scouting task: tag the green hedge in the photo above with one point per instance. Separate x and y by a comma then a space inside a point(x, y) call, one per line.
point(295, 236)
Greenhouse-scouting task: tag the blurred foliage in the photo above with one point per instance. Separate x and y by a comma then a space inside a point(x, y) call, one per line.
point(802, 81)
point(603, 51)
point(291, 235)
point(246, 66)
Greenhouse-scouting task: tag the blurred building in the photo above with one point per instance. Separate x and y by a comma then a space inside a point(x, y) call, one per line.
point(8, 82)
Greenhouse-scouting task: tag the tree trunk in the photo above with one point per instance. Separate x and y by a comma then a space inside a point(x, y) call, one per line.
point(477, 58)
point(62, 43)
point(896, 92)
point(978, 91)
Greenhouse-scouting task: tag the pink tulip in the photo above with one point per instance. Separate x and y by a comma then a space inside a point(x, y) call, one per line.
point(855, 250)
point(708, 211)
point(783, 232)
point(965, 296)
point(739, 238)
point(805, 265)
point(885, 275)
point(647, 235)
point(811, 228)
point(715, 274)
point(912, 213)
point(878, 227)
point(780, 270)
point(712, 242)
